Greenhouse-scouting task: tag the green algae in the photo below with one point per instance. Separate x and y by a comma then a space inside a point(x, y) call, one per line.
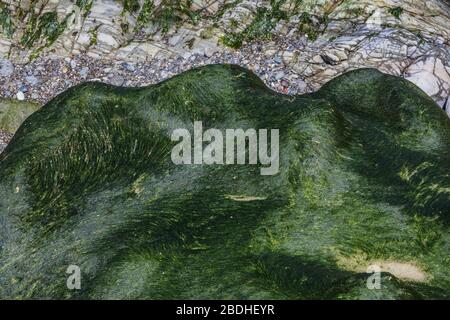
point(85, 6)
point(364, 162)
point(93, 35)
point(6, 20)
point(266, 19)
point(396, 12)
point(166, 14)
point(13, 113)
point(46, 26)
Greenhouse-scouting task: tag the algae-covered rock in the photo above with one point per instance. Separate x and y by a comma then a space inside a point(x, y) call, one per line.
point(363, 183)
point(13, 113)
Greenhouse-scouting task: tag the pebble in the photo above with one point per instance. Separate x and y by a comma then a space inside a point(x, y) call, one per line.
point(20, 96)
point(279, 75)
point(6, 68)
point(116, 80)
point(32, 80)
point(128, 66)
point(84, 72)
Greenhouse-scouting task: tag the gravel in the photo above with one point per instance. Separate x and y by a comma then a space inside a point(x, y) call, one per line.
point(44, 78)
point(5, 137)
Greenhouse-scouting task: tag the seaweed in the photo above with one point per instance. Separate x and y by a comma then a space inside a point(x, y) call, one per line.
point(364, 175)
point(396, 12)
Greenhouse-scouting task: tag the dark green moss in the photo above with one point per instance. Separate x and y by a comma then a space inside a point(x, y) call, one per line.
point(145, 14)
point(306, 26)
point(364, 172)
point(167, 14)
point(85, 6)
point(6, 20)
point(396, 12)
point(131, 5)
point(261, 26)
point(46, 26)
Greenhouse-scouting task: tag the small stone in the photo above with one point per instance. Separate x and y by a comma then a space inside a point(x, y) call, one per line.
point(32, 80)
point(23, 88)
point(128, 66)
point(20, 96)
point(73, 64)
point(279, 75)
point(6, 68)
point(301, 85)
point(84, 72)
point(270, 53)
point(116, 80)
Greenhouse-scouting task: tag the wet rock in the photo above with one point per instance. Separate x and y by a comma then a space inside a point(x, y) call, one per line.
point(113, 186)
point(429, 74)
point(32, 80)
point(13, 113)
point(6, 68)
point(128, 66)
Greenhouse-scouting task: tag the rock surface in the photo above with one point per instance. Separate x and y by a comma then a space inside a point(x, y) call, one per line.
point(364, 172)
point(310, 43)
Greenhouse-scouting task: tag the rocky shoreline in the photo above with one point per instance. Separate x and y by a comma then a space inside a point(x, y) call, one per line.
point(298, 54)
point(293, 49)
point(44, 78)
point(5, 138)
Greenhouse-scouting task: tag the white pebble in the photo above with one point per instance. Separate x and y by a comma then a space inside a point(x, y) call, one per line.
point(20, 96)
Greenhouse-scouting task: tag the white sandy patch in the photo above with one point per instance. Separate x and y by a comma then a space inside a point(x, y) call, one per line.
point(402, 270)
point(408, 271)
point(243, 197)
